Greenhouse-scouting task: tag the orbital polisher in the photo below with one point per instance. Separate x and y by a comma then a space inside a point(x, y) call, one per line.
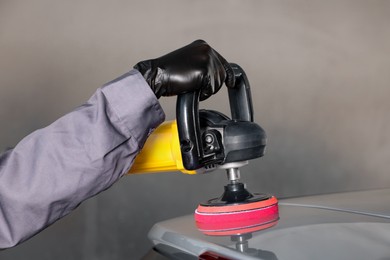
point(201, 140)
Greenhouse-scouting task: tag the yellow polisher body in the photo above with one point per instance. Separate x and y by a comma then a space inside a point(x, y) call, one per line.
point(161, 152)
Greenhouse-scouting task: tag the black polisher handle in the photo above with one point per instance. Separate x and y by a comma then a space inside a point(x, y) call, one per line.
point(187, 117)
point(240, 98)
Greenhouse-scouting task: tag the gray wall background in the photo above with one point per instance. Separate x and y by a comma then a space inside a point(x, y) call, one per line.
point(319, 72)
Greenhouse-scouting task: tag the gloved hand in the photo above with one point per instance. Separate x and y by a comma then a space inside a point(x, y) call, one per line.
point(192, 67)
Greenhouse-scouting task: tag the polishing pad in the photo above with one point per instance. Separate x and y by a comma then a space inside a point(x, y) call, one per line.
point(218, 219)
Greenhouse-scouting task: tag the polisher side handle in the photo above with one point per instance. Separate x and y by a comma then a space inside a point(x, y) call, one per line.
point(240, 97)
point(187, 116)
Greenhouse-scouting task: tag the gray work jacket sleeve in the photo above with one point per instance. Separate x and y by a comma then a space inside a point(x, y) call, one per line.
point(51, 171)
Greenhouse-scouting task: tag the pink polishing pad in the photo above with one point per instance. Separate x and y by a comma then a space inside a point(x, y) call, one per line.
point(237, 218)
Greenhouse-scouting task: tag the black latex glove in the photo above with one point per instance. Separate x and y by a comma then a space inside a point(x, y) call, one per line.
point(190, 68)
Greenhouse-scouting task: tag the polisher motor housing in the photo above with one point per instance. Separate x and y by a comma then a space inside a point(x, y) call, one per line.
point(226, 141)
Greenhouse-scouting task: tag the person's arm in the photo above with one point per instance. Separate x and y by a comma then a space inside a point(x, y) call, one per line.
point(54, 169)
point(51, 171)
